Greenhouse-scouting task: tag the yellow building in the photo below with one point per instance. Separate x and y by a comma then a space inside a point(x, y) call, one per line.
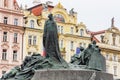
point(71, 34)
point(32, 34)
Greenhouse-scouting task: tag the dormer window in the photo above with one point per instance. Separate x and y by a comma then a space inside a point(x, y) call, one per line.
point(32, 24)
point(102, 38)
point(81, 32)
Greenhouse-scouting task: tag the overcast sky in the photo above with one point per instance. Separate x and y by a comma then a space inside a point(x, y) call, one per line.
point(95, 14)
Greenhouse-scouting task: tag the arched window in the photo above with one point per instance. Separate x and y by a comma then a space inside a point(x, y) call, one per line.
point(14, 55)
point(32, 24)
point(59, 18)
point(81, 32)
point(4, 54)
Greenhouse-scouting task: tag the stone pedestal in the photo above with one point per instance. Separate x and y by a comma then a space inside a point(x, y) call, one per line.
point(71, 75)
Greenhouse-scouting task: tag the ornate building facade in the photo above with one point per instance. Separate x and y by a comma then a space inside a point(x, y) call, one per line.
point(11, 35)
point(71, 34)
point(109, 42)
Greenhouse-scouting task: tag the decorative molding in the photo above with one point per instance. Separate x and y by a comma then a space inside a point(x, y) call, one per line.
point(5, 45)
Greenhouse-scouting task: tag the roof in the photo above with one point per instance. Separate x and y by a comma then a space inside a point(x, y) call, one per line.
point(37, 10)
point(96, 33)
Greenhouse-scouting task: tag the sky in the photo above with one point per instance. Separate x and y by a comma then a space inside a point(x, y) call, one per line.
point(95, 14)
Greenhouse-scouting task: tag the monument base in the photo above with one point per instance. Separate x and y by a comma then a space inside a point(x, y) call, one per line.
point(52, 74)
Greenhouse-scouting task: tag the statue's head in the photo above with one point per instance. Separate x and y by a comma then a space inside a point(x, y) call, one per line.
point(81, 48)
point(94, 42)
point(50, 16)
point(89, 46)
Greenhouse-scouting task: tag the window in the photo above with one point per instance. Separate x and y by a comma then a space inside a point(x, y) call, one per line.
point(3, 72)
point(102, 38)
point(34, 40)
point(107, 56)
point(61, 29)
point(80, 44)
point(59, 18)
point(71, 31)
point(4, 36)
point(84, 45)
point(15, 21)
point(15, 37)
point(29, 53)
point(81, 32)
point(5, 3)
point(5, 20)
point(61, 43)
point(30, 40)
point(71, 46)
point(114, 38)
point(14, 55)
point(32, 24)
point(114, 57)
point(115, 70)
point(4, 54)
point(114, 41)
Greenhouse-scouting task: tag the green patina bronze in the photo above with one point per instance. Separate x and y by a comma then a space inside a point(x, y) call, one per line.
point(91, 57)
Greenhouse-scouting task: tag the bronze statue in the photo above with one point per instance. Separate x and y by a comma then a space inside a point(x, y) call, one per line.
point(97, 60)
point(50, 42)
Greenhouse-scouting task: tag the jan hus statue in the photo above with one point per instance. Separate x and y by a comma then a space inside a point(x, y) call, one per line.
point(50, 41)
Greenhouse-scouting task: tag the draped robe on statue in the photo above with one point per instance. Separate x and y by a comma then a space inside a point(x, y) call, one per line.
point(50, 41)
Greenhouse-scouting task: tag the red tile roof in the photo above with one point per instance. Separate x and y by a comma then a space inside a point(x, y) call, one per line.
point(94, 38)
point(96, 33)
point(37, 10)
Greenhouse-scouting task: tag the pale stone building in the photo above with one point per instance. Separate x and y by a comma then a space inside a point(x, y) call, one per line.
point(109, 42)
point(11, 35)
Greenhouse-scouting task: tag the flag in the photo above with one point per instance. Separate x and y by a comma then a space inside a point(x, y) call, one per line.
point(44, 52)
point(77, 50)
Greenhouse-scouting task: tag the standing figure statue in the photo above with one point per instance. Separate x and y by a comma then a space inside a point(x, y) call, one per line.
point(50, 41)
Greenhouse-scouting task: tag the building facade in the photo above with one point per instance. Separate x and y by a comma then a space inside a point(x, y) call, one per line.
point(11, 35)
point(71, 33)
point(109, 42)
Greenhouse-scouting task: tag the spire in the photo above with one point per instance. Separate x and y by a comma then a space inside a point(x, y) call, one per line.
point(59, 5)
point(112, 22)
point(25, 6)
